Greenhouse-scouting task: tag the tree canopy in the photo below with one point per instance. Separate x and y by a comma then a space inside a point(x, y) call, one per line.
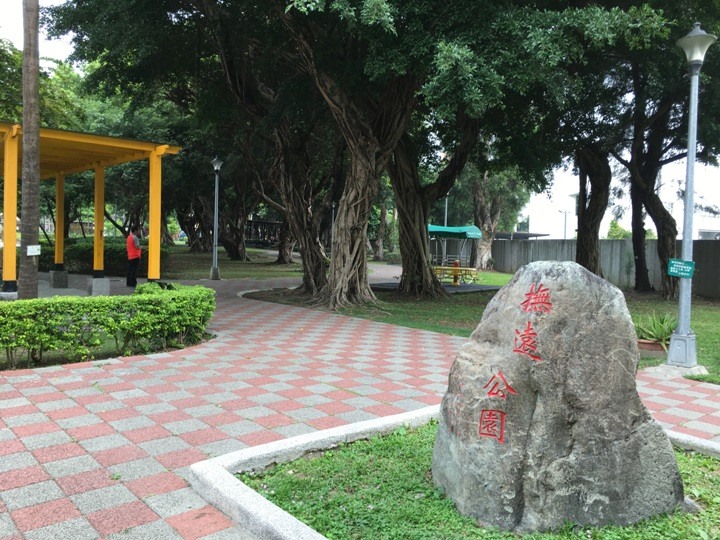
point(310, 102)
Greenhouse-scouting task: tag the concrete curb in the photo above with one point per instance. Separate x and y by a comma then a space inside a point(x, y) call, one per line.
point(214, 478)
point(688, 442)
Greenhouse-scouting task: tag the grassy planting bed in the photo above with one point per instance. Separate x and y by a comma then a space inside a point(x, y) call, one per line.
point(382, 489)
point(182, 264)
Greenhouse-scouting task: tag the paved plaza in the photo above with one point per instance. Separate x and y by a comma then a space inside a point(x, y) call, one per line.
point(102, 449)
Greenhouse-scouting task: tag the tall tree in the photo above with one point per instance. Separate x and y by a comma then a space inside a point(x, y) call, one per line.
point(414, 201)
point(30, 214)
point(498, 197)
point(371, 114)
point(651, 119)
point(224, 49)
point(595, 173)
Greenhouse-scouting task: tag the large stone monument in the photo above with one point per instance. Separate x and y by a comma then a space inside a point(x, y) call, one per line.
point(541, 423)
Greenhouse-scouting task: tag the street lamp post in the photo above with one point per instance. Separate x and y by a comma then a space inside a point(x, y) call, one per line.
point(683, 351)
point(444, 240)
point(214, 272)
point(564, 213)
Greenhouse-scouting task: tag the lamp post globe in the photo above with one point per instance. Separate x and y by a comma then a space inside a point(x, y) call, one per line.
point(214, 271)
point(683, 349)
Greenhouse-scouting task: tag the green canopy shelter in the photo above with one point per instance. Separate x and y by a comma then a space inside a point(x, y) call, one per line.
point(458, 237)
point(462, 233)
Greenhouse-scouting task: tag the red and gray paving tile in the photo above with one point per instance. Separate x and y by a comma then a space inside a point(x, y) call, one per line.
point(102, 449)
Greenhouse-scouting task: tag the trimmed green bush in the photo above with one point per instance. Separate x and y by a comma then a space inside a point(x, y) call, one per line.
point(392, 257)
point(151, 319)
point(79, 257)
point(79, 254)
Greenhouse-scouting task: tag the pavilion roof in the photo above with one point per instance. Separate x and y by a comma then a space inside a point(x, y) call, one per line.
point(67, 152)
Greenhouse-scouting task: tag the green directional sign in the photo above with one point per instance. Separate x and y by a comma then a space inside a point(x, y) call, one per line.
point(680, 268)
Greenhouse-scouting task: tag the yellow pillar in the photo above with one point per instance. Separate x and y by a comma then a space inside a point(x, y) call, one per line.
point(99, 238)
point(10, 192)
point(59, 222)
point(155, 217)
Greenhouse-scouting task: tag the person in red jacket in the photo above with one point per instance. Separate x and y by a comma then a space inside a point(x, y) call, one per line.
point(133, 253)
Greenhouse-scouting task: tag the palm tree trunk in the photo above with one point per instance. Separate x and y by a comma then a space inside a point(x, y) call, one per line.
point(30, 209)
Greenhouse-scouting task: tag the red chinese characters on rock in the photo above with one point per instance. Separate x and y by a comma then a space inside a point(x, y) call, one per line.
point(526, 342)
point(492, 421)
point(499, 387)
point(537, 300)
point(492, 424)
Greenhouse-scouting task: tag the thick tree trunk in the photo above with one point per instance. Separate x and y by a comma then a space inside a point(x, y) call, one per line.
point(30, 214)
point(418, 277)
point(348, 279)
point(594, 167)
point(290, 173)
point(382, 227)
point(371, 127)
point(486, 215)
point(642, 195)
point(231, 236)
point(483, 248)
point(413, 202)
point(165, 237)
point(649, 144)
point(286, 243)
point(642, 279)
point(666, 244)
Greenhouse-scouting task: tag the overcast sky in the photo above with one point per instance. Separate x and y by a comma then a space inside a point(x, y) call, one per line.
point(11, 28)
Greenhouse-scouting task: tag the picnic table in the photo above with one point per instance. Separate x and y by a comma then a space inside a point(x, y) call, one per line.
point(464, 274)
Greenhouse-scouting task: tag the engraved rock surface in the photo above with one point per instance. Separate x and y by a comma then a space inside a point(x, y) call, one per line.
point(541, 423)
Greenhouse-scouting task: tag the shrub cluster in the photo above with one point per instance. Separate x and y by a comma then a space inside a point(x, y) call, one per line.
point(78, 257)
point(79, 253)
point(392, 257)
point(155, 317)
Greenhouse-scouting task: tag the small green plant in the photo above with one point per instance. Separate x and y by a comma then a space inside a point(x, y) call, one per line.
point(656, 327)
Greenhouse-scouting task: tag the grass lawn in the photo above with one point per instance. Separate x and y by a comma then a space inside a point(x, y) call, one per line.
point(186, 265)
point(459, 314)
point(382, 489)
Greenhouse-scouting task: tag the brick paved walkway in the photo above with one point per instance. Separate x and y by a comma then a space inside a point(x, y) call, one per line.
point(101, 449)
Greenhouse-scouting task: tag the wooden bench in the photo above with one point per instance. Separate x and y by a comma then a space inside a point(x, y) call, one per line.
point(465, 274)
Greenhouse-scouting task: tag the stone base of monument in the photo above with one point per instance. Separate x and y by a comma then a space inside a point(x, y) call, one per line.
point(542, 423)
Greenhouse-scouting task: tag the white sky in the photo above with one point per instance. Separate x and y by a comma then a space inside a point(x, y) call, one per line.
point(547, 214)
point(11, 28)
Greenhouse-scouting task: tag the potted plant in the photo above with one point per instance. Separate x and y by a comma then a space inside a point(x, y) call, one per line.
point(654, 331)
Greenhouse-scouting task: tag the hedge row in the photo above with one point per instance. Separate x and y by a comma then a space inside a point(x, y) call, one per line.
point(79, 255)
point(151, 319)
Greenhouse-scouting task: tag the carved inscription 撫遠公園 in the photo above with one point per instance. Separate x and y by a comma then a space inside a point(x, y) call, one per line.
point(492, 422)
